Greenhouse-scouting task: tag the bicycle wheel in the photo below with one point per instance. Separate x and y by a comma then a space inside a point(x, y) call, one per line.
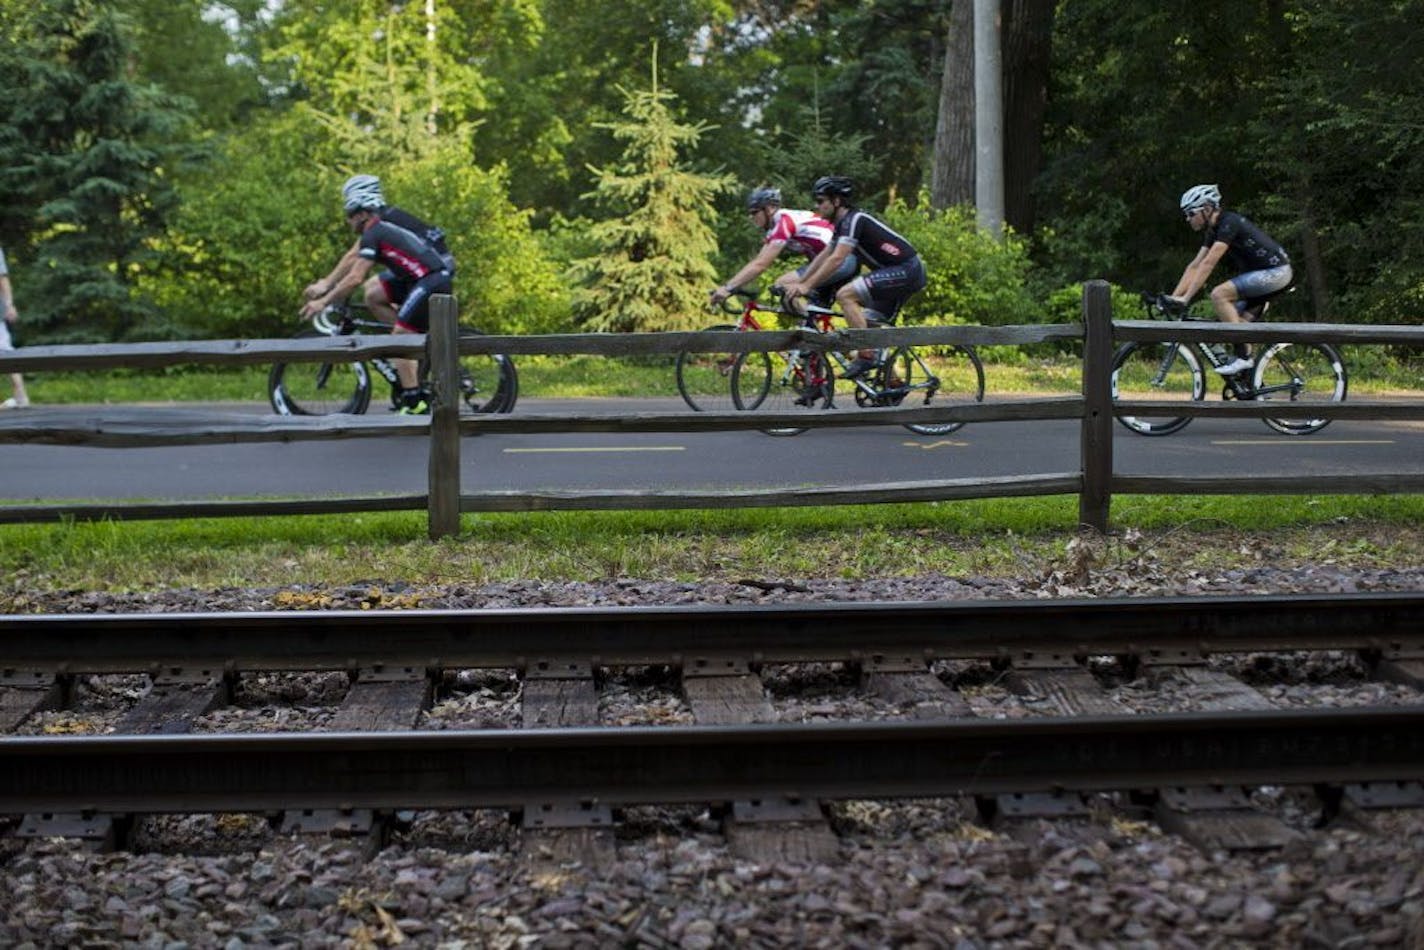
point(780, 382)
point(488, 382)
point(704, 379)
point(318, 389)
point(1300, 373)
point(1157, 371)
point(949, 375)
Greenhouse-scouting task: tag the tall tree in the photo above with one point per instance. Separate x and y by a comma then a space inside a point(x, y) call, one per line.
point(87, 163)
point(653, 266)
point(952, 159)
point(1027, 42)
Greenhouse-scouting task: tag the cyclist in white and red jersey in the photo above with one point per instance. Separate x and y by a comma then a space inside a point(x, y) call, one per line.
point(895, 270)
point(416, 269)
point(800, 232)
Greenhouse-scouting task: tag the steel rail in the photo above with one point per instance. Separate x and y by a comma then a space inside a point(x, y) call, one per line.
point(706, 764)
point(1161, 629)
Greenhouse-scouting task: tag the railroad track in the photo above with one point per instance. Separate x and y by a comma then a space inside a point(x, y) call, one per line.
point(562, 771)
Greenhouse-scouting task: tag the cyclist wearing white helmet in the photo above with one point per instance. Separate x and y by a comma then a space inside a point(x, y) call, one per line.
point(895, 272)
point(417, 262)
point(1263, 265)
point(801, 232)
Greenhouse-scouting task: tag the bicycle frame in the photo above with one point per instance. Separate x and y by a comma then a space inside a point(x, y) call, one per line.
point(820, 318)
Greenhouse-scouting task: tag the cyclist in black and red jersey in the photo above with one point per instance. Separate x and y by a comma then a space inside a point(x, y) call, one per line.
point(1262, 264)
point(785, 229)
point(416, 269)
point(895, 271)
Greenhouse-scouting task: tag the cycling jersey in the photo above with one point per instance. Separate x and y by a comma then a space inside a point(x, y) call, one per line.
point(405, 254)
point(1249, 248)
point(433, 236)
point(872, 241)
point(803, 231)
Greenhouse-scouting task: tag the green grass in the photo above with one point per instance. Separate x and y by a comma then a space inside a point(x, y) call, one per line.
point(1022, 538)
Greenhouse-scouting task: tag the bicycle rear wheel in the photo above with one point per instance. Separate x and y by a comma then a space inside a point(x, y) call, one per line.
point(951, 375)
point(704, 379)
point(488, 382)
point(1156, 371)
point(318, 389)
point(1300, 373)
point(780, 382)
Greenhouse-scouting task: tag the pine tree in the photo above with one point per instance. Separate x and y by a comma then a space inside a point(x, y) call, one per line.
point(86, 167)
point(654, 266)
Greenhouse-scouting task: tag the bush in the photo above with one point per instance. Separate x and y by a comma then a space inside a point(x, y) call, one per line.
point(973, 277)
point(264, 219)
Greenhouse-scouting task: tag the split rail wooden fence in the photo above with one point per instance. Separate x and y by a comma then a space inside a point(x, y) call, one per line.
point(1094, 481)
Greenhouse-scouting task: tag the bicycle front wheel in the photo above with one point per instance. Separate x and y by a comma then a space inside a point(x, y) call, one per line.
point(704, 379)
point(946, 376)
point(1300, 373)
point(1157, 372)
point(318, 389)
point(782, 382)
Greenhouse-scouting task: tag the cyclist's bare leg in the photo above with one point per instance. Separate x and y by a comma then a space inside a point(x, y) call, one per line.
point(1223, 299)
point(383, 310)
point(374, 292)
point(854, 312)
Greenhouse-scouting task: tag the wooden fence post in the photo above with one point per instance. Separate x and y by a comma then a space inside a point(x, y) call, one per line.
point(1095, 497)
point(443, 346)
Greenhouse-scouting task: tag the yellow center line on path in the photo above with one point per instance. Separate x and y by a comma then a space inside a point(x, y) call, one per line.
point(599, 448)
point(934, 445)
point(1300, 441)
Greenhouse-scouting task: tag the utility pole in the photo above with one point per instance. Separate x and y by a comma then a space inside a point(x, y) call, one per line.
point(988, 116)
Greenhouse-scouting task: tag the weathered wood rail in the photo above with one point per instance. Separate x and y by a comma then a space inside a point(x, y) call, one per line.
point(1095, 481)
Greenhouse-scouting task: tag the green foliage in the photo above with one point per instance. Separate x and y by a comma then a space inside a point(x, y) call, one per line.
point(265, 219)
point(653, 266)
point(88, 160)
point(973, 277)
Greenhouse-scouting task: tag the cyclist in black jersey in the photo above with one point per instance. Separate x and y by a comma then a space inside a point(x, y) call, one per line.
point(1262, 264)
point(417, 265)
point(894, 270)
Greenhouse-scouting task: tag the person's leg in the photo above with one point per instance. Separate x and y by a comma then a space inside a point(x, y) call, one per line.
point(17, 385)
point(849, 297)
point(378, 296)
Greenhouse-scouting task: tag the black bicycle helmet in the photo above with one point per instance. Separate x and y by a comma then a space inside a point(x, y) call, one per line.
point(761, 197)
point(835, 186)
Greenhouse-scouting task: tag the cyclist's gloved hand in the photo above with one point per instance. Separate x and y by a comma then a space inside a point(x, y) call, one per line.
point(718, 295)
point(1172, 304)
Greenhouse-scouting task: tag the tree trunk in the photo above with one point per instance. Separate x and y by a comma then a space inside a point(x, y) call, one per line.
point(952, 165)
point(1027, 43)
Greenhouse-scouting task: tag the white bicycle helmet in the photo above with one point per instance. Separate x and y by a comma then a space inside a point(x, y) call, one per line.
point(362, 193)
point(1199, 196)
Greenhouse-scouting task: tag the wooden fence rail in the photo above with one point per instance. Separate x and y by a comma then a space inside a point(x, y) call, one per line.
point(1095, 482)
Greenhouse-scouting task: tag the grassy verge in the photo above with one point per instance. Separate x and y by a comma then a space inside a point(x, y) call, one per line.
point(998, 537)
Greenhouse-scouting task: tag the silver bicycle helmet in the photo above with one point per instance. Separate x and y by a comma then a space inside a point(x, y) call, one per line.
point(362, 193)
point(1199, 196)
point(761, 197)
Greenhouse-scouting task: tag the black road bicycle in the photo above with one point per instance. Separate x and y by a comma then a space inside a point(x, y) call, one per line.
point(487, 382)
point(803, 379)
point(1293, 374)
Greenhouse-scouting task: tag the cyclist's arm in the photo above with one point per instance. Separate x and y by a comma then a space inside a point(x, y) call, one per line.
point(319, 288)
point(753, 269)
point(820, 269)
point(355, 274)
point(1194, 277)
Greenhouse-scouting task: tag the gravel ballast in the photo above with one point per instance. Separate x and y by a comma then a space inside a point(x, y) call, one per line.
point(911, 873)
